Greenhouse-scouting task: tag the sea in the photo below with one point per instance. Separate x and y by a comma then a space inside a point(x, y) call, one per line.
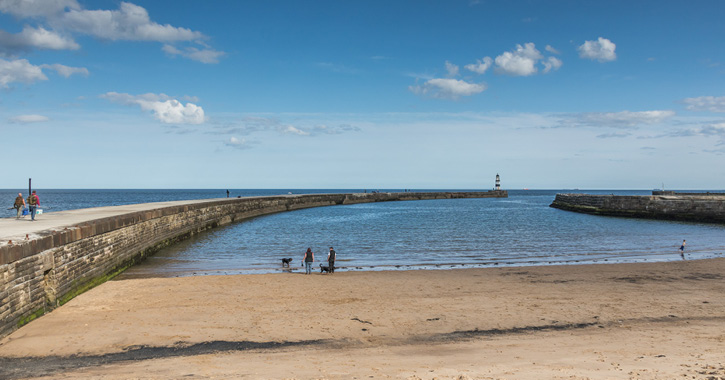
point(521, 230)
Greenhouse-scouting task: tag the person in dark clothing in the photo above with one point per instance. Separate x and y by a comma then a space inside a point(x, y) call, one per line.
point(331, 260)
point(308, 259)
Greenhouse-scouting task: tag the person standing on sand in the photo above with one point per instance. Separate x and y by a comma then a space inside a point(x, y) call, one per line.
point(331, 260)
point(308, 259)
point(33, 203)
point(682, 249)
point(19, 205)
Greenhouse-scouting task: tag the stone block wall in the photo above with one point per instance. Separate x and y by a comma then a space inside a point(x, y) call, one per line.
point(41, 274)
point(697, 208)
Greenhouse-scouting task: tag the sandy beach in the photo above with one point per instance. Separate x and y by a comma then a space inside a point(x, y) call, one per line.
point(609, 321)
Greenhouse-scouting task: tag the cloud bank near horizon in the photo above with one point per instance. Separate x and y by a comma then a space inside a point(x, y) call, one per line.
point(164, 108)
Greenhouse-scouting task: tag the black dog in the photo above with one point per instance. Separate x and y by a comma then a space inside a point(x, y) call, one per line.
point(285, 262)
point(325, 268)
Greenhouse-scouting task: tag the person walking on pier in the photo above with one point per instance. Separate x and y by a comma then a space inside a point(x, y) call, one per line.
point(308, 259)
point(682, 249)
point(33, 203)
point(331, 260)
point(19, 205)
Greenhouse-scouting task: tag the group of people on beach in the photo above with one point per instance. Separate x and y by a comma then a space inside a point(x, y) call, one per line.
point(309, 258)
point(32, 204)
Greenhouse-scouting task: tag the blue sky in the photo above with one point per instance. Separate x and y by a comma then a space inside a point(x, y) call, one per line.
point(362, 94)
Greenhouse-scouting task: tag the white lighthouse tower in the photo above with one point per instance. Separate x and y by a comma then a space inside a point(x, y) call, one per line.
point(498, 183)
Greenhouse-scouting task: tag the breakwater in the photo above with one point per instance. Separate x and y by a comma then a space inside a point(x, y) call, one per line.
point(54, 265)
point(703, 207)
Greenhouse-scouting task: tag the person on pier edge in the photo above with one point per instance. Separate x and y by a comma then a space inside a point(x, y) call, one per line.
point(33, 203)
point(19, 205)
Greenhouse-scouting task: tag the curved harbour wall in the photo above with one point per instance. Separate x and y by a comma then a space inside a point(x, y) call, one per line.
point(708, 208)
point(39, 274)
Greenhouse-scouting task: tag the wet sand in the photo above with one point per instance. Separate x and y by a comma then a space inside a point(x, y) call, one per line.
point(609, 321)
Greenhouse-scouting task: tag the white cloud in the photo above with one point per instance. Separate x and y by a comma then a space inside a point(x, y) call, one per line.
point(27, 119)
point(601, 50)
point(480, 66)
point(446, 88)
point(173, 111)
point(623, 119)
point(37, 8)
point(451, 69)
point(237, 143)
point(129, 22)
point(709, 130)
point(317, 130)
point(67, 71)
point(202, 55)
point(45, 39)
point(613, 135)
point(712, 129)
point(187, 98)
point(19, 70)
point(520, 62)
point(178, 130)
point(252, 124)
point(32, 38)
point(705, 103)
point(551, 50)
point(551, 63)
point(715, 129)
point(334, 130)
point(294, 131)
point(164, 108)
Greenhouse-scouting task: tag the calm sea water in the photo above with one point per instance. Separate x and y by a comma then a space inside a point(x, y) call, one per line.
point(433, 234)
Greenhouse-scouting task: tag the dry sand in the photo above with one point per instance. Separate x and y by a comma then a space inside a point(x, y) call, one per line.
point(614, 321)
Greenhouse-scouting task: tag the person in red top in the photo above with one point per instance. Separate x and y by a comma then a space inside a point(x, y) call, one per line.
point(33, 203)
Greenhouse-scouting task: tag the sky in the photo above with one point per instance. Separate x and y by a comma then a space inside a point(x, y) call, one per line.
point(362, 94)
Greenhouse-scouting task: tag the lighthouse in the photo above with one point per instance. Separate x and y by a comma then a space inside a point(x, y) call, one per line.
point(498, 183)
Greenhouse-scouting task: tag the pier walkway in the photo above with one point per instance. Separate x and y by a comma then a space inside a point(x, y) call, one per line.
point(17, 230)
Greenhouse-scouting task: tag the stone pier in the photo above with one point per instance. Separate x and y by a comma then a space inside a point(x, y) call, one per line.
point(703, 207)
point(45, 263)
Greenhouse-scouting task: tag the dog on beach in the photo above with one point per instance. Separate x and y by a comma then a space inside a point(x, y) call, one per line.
point(286, 261)
point(324, 268)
